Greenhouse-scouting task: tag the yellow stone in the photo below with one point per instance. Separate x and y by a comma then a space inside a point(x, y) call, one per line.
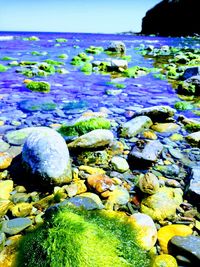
point(27, 81)
point(165, 127)
point(150, 135)
point(6, 187)
point(21, 209)
point(5, 160)
point(91, 170)
point(1, 123)
point(167, 232)
point(164, 260)
point(4, 206)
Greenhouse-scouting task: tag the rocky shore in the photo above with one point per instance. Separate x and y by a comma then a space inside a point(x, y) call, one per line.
point(121, 184)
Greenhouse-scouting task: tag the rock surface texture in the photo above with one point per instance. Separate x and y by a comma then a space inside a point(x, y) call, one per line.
point(172, 17)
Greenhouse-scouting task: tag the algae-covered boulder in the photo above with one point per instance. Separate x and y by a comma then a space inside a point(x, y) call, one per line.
point(46, 157)
point(84, 126)
point(43, 87)
point(76, 238)
point(163, 204)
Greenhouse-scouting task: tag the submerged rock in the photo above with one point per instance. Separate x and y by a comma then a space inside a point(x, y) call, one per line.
point(135, 126)
point(93, 139)
point(156, 113)
point(46, 157)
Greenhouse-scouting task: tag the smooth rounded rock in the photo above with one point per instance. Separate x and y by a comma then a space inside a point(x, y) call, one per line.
point(149, 183)
point(6, 188)
point(15, 226)
point(46, 157)
point(145, 229)
point(119, 164)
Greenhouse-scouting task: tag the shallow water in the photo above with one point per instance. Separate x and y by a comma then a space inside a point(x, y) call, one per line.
point(88, 90)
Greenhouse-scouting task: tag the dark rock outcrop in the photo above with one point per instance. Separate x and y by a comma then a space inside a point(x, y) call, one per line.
point(172, 17)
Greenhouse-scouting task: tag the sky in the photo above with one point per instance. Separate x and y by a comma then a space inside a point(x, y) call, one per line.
point(99, 16)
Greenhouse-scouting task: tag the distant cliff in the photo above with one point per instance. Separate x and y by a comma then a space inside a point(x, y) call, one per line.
point(173, 17)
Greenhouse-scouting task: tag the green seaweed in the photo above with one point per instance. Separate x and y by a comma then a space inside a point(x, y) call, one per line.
point(54, 62)
point(87, 68)
point(182, 105)
point(3, 68)
point(31, 38)
point(192, 127)
point(135, 71)
point(73, 237)
point(84, 126)
point(94, 50)
point(61, 40)
point(43, 87)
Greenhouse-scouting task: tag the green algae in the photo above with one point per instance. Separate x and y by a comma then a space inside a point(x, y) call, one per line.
point(80, 59)
point(8, 58)
point(94, 50)
point(135, 71)
point(31, 38)
point(182, 105)
point(3, 68)
point(61, 40)
point(63, 56)
point(43, 87)
point(85, 126)
point(72, 237)
point(192, 127)
point(87, 68)
point(54, 62)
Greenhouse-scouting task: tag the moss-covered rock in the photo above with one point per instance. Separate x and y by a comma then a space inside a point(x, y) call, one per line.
point(182, 105)
point(135, 71)
point(85, 126)
point(43, 87)
point(3, 68)
point(87, 68)
point(54, 62)
point(61, 40)
point(31, 38)
point(75, 238)
point(94, 49)
point(192, 127)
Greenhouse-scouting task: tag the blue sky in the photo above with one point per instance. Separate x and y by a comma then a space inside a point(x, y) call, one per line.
point(104, 16)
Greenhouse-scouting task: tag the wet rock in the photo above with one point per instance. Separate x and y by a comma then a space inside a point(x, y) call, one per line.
point(6, 188)
point(21, 209)
point(165, 233)
point(92, 158)
point(3, 146)
point(145, 153)
point(4, 206)
point(191, 71)
point(15, 226)
point(5, 160)
point(2, 240)
point(194, 187)
point(100, 182)
point(93, 139)
point(119, 164)
point(149, 183)
point(188, 247)
point(88, 201)
point(171, 170)
point(156, 113)
point(46, 157)
point(164, 260)
point(165, 127)
point(162, 204)
point(118, 196)
point(118, 65)
point(135, 126)
point(116, 47)
point(150, 135)
point(194, 139)
point(18, 137)
point(145, 230)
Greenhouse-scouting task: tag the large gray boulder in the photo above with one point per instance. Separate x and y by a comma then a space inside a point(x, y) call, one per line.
point(46, 157)
point(116, 47)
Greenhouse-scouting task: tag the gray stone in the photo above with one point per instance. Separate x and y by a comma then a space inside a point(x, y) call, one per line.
point(93, 139)
point(191, 71)
point(46, 156)
point(194, 139)
point(2, 240)
point(135, 126)
point(145, 153)
point(116, 47)
point(156, 113)
point(15, 226)
point(194, 187)
point(188, 246)
point(3, 146)
point(18, 137)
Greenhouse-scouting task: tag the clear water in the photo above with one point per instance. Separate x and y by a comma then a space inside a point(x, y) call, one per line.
point(88, 90)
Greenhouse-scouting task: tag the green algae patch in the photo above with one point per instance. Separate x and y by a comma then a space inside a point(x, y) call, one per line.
point(94, 50)
point(54, 62)
point(43, 87)
point(192, 127)
point(73, 237)
point(3, 68)
point(61, 40)
point(87, 68)
point(182, 105)
point(31, 38)
point(85, 126)
point(135, 71)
